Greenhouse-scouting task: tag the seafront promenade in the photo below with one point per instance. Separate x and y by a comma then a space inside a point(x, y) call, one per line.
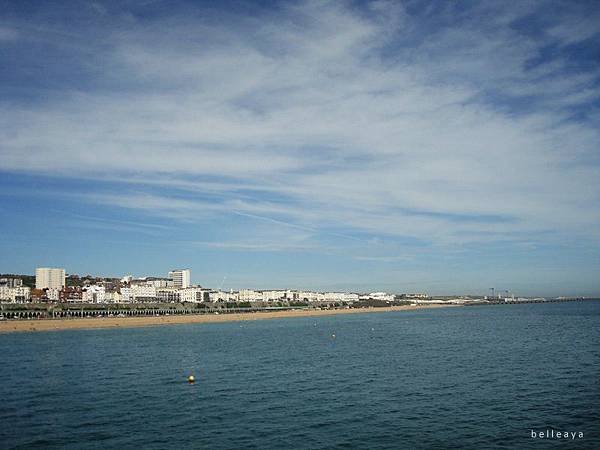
point(162, 317)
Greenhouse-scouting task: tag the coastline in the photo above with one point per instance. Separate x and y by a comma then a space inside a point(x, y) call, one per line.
point(35, 325)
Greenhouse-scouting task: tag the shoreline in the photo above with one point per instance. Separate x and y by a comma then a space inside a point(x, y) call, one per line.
point(37, 325)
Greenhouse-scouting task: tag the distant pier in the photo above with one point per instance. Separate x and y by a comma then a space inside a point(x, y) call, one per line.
point(531, 300)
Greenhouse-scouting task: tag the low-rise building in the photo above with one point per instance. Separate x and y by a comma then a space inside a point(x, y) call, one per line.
point(168, 295)
point(249, 295)
point(94, 294)
point(383, 296)
point(350, 297)
point(112, 296)
point(273, 296)
point(71, 294)
point(38, 295)
point(19, 294)
point(53, 295)
point(143, 293)
point(338, 297)
point(194, 295)
point(221, 296)
point(307, 296)
point(126, 294)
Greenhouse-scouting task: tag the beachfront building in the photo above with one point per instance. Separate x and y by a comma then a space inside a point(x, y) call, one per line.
point(333, 297)
point(305, 296)
point(193, 295)
point(340, 297)
point(350, 297)
point(53, 295)
point(143, 293)
point(112, 296)
point(292, 295)
point(138, 293)
point(217, 296)
point(273, 296)
point(181, 278)
point(308, 296)
point(94, 294)
point(49, 278)
point(383, 296)
point(168, 295)
point(21, 294)
point(221, 296)
point(18, 294)
point(71, 294)
point(126, 294)
point(249, 295)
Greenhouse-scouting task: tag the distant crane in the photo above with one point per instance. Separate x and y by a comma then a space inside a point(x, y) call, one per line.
point(492, 291)
point(222, 282)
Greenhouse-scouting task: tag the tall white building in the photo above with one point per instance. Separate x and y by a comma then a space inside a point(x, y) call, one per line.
point(181, 278)
point(49, 278)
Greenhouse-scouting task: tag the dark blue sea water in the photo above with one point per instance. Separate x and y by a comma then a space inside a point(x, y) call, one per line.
point(472, 377)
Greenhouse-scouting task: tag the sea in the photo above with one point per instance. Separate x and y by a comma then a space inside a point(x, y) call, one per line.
point(466, 377)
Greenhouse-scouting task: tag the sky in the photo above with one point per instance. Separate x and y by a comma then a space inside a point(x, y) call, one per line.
point(416, 146)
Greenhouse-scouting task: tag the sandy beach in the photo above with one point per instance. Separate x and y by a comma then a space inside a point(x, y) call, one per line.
point(34, 325)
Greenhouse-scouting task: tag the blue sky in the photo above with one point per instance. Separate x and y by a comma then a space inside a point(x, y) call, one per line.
point(445, 147)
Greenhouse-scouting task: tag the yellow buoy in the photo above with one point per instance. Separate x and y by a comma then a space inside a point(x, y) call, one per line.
point(191, 379)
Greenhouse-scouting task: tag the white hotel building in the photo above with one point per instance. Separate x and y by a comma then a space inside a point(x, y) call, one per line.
point(181, 278)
